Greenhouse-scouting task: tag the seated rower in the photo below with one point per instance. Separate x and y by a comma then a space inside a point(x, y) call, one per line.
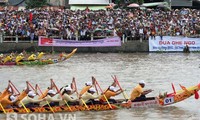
point(46, 91)
point(8, 101)
point(66, 95)
point(40, 55)
point(8, 59)
point(22, 95)
point(138, 94)
point(29, 100)
point(110, 92)
point(19, 58)
point(89, 97)
point(88, 85)
point(1, 58)
point(32, 57)
point(7, 92)
point(51, 99)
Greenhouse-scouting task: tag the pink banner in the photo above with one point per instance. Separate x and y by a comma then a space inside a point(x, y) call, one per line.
point(113, 41)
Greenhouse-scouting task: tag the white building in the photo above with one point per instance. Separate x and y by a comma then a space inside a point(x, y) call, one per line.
point(91, 4)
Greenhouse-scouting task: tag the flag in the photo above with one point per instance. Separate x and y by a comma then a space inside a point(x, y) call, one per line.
point(196, 94)
point(31, 17)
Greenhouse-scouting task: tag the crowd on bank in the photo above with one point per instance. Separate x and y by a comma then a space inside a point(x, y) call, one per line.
point(82, 24)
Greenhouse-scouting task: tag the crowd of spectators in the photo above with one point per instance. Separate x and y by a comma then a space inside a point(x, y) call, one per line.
point(82, 24)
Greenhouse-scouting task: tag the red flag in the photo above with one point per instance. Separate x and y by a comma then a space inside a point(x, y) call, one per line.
point(30, 16)
point(196, 94)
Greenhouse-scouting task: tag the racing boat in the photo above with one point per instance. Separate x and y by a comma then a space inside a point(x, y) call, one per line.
point(159, 101)
point(62, 57)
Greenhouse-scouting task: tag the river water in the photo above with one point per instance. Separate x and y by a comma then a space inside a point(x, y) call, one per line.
point(158, 70)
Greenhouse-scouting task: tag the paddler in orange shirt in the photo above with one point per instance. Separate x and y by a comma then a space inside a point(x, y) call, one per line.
point(6, 92)
point(46, 91)
point(110, 92)
point(88, 85)
point(8, 101)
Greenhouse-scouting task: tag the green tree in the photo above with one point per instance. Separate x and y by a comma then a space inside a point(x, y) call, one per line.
point(35, 3)
point(140, 2)
point(134, 1)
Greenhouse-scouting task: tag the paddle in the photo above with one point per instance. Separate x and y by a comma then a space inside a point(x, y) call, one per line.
point(4, 111)
point(12, 85)
point(74, 81)
point(94, 83)
point(102, 92)
point(61, 95)
point(116, 80)
point(43, 95)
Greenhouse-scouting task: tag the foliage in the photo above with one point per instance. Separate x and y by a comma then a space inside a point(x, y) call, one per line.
point(35, 3)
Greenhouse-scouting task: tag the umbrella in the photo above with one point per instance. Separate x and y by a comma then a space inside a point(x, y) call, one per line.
point(133, 5)
point(112, 4)
point(161, 6)
point(109, 7)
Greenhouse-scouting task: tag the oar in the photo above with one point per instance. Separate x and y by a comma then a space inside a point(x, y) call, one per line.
point(46, 100)
point(116, 80)
point(12, 85)
point(78, 94)
point(94, 83)
point(4, 111)
point(102, 93)
point(61, 95)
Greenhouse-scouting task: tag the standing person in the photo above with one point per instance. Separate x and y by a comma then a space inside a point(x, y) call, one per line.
point(138, 94)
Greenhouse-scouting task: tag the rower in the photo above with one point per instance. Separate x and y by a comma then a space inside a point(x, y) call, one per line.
point(40, 55)
point(8, 59)
point(8, 101)
point(51, 99)
point(46, 91)
point(19, 58)
point(32, 57)
point(66, 95)
point(1, 58)
point(110, 92)
point(138, 94)
point(88, 85)
point(89, 98)
point(29, 100)
point(22, 95)
point(6, 92)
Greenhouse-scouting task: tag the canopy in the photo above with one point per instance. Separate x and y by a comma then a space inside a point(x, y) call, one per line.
point(133, 5)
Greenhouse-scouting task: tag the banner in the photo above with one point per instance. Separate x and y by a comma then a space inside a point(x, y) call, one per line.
point(113, 41)
point(170, 43)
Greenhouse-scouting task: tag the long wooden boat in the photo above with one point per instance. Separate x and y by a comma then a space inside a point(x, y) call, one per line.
point(43, 61)
point(157, 102)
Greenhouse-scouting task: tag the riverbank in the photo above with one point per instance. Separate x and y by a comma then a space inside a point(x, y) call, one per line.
point(130, 46)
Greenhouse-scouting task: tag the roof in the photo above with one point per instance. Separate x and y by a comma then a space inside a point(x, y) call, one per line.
point(154, 4)
point(16, 2)
point(88, 2)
